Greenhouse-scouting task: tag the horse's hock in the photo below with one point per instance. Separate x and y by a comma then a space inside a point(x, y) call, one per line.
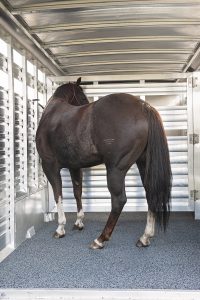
point(95, 144)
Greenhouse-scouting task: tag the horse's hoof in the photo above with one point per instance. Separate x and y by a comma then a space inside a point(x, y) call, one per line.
point(75, 227)
point(139, 244)
point(58, 236)
point(96, 245)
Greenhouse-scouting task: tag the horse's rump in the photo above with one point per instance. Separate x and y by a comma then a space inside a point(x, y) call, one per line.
point(119, 123)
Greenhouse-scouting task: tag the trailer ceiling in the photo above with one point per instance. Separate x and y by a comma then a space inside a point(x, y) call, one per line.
point(115, 37)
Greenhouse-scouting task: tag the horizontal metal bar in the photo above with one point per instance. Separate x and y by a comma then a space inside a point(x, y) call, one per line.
point(82, 294)
point(130, 202)
point(122, 39)
point(137, 91)
point(132, 172)
point(123, 51)
point(149, 85)
point(103, 193)
point(132, 177)
point(131, 181)
point(177, 205)
point(178, 169)
point(113, 24)
point(132, 77)
point(129, 62)
point(92, 3)
point(122, 71)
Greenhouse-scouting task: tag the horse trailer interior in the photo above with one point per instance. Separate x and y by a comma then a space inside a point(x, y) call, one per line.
point(147, 48)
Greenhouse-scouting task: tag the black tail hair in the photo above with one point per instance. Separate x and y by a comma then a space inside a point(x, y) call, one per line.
point(158, 175)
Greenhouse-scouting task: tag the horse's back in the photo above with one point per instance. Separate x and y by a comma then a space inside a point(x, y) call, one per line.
point(121, 105)
point(119, 112)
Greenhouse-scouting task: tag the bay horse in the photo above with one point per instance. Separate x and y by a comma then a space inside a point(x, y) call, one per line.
point(118, 130)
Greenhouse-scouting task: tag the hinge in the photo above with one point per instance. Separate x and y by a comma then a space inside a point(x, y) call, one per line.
point(195, 194)
point(195, 82)
point(194, 138)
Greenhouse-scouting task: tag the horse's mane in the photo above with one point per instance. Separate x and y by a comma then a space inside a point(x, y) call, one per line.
point(71, 92)
point(61, 91)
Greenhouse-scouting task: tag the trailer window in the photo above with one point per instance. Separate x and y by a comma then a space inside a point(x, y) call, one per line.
point(3, 48)
point(4, 79)
point(17, 58)
point(41, 76)
point(31, 92)
point(30, 68)
point(18, 87)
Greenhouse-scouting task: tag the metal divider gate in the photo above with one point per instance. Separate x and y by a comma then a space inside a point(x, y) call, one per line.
point(172, 99)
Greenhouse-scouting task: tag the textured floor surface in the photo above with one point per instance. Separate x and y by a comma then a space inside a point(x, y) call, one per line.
point(171, 262)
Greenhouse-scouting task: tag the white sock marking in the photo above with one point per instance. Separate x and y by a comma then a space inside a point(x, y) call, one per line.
point(149, 230)
point(98, 243)
point(80, 217)
point(61, 217)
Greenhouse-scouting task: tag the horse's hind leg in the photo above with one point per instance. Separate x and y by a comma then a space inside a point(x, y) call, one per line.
point(52, 171)
point(76, 176)
point(116, 186)
point(149, 231)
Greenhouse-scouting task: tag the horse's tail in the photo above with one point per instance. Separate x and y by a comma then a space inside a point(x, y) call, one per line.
point(158, 176)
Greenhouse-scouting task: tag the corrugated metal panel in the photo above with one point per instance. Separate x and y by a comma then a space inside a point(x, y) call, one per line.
point(114, 37)
point(4, 199)
point(174, 115)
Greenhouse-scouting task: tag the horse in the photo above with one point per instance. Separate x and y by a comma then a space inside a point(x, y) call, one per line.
point(118, 130)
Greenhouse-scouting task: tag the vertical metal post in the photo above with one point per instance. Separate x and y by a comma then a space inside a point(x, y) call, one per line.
point(142, 96)
point(196, 110)
point(190, 145)
point(25, 121)
point(95, 97)
point(50, 205)
point(35, 107)
point(11, 144)
point(45, 86)
point(49, 88)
